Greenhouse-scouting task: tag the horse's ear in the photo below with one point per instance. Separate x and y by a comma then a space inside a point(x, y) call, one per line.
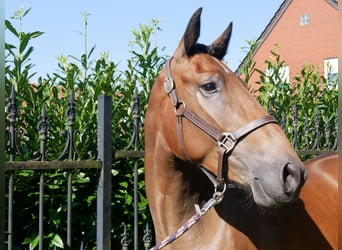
point(190, 36)
point(219, 47)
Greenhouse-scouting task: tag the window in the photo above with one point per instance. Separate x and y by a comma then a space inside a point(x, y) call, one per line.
point(331, 70)
point(304, 19)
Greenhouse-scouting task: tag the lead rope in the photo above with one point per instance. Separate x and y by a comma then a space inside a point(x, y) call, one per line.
point(200, 212)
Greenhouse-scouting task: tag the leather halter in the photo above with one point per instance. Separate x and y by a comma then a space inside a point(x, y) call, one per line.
point(226, 140)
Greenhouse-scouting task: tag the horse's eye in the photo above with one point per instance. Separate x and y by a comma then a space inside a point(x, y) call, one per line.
point(210, 87)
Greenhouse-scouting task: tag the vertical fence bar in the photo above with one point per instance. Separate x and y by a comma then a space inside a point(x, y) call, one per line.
point(10, 213)
point(136, 117)
point(12, 114)
point(2, 125)
point(69, 209)
point(295, 129)
point(136, 232)
point(69, 152)
point(306, 133)
point(71, 117)
point(104, 145)
point(41, 211)
point(43, 128)
point(317, 132)
point(335, 133)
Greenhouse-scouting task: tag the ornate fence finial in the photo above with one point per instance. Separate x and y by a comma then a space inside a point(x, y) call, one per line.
point(70, 146)
point(335, 133)
point(317, 127)
point(327, 133)
point(270, 108)
point(12, 115)
point(306, 133)
point(43, 129)
point(71, 111)
point(283, 122)
point(136, 105)
point(147, 238)
point(295, 128)
point(12, 107)
point(136, 121)
point(124, 240)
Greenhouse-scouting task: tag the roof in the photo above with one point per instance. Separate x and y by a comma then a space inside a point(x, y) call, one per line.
point(333, 3)
point(279, 13)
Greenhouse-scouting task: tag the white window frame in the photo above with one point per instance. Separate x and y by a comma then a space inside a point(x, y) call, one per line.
point(330, 67)
point(304, 19)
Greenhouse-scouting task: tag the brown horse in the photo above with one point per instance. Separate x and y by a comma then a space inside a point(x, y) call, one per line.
point(319, 196)
point(206, 135)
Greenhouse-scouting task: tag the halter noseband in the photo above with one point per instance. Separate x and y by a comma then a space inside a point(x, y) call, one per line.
point(226, 141)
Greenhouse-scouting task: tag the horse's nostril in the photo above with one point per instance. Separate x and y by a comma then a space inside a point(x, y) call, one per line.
point(292, 177)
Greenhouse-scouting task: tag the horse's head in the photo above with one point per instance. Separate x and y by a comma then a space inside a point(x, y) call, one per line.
point(195, 83)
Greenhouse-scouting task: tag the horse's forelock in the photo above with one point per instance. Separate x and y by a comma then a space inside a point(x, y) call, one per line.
point(197, 49)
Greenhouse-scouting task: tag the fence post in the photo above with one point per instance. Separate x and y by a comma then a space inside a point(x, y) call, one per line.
point(2, 125)
point(104, 145)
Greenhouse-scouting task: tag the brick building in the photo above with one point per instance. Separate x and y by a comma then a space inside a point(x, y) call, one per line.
point(304, 31)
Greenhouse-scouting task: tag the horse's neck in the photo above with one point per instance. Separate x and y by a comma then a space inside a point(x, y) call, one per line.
point(174, 187)
point(182, 186)
point(178, 187)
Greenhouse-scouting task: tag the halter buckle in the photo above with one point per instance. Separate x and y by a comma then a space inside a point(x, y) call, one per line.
point(227, 142)
point(168, 84)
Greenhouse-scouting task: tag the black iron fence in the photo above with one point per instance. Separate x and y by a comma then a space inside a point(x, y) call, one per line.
point(310, 135)
point(306, 136)
point(41, 165)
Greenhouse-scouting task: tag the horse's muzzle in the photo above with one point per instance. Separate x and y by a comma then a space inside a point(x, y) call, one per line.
point(274, 190)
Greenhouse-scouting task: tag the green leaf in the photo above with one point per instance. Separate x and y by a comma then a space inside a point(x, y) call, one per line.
point(9, 46)
point(27, 54)
point(91, 51)
point(10, 27)
point(34, 242)
point(24, 39)
point(57, 241)
point(26, 12)
point(90, 199)
point(36, 34)
point(115, 172)
point(123, 184)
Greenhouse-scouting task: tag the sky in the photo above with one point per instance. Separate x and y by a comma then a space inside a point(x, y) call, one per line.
point(110, 25)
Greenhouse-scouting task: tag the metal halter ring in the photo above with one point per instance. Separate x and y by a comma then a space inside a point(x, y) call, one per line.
point(218, 195)
point(178, 110)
